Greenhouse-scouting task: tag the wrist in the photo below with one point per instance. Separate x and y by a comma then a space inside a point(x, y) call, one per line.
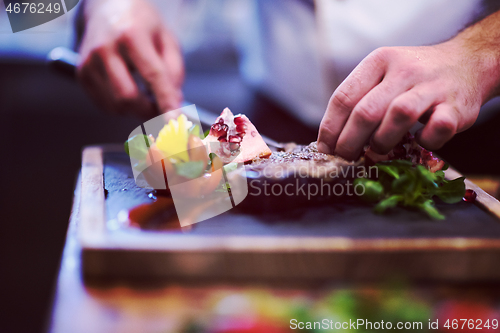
point(479, 54)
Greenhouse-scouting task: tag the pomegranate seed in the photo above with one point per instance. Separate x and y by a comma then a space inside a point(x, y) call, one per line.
point(222, 139)
point(426, 155)
point(234, 139)
point(470, 196)
point(218, 130)
point(399, 151)
point(239, 120)
point(220, 121)
point(234, 145)
point(241, 128)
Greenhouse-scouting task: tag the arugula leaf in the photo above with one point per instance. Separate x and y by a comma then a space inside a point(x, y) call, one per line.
point(373, 189)
point(206, 133)
point(391, 170)
point(439, 176)
point(428, 207)
point(191, 169)
point(401, 183)
point(137, 146)
point(452, 191)
point(389, 202)
point(426, 176)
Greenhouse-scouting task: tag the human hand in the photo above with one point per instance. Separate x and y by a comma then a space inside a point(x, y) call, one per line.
point(443, 86)
point(122, 36)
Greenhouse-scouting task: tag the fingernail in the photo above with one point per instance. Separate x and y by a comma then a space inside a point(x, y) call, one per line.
point(324, 148)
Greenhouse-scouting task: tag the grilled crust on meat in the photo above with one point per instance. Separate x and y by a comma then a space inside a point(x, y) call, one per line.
point(303, 161)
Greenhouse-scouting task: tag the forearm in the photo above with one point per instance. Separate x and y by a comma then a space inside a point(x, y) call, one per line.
point(479, 48)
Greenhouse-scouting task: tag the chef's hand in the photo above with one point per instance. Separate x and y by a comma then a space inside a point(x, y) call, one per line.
point(122, 36)
point(443, 86)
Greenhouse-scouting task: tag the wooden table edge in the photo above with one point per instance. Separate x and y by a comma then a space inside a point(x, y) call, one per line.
point(92, 226)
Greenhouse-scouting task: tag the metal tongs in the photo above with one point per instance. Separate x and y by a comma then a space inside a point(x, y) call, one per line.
point(65, 61)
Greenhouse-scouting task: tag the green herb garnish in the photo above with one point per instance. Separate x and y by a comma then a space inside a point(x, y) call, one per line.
point(192, 169)
point(196, 131)
point(400, 183)
point(137, 146)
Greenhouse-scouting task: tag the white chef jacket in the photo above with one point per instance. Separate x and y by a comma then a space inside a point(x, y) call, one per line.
point(298, 54)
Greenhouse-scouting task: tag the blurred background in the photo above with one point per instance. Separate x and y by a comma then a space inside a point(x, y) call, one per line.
point(46, 119)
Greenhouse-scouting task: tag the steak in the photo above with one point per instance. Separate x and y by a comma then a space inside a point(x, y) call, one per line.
point(303, 161)
point(296, 177)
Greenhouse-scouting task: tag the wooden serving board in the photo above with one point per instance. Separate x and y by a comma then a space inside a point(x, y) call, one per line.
point(343, 242)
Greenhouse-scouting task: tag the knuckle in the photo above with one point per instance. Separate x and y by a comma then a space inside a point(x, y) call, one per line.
point(406, 72)
point(325, 131)
point(445, 126)
point(341, 100)
point(366, 114)
point(126, 35)
point(381, 55)
point(403, 111)
point(153, 73)
point(99, 52)
point(128, 96)
point(343, 148)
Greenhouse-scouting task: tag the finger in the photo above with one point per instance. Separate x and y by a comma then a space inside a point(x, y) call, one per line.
point(172, 55)
point(94, 89)
point(91, 74)
point(145, 57)
point(366, 117)
point(403, 112)
point(126, 96)
point(363, 78)
point(440, 128)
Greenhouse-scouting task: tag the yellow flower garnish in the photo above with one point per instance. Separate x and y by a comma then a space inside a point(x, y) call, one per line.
point(173, 138)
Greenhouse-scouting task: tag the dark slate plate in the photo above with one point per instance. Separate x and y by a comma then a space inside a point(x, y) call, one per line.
point(342, 219)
